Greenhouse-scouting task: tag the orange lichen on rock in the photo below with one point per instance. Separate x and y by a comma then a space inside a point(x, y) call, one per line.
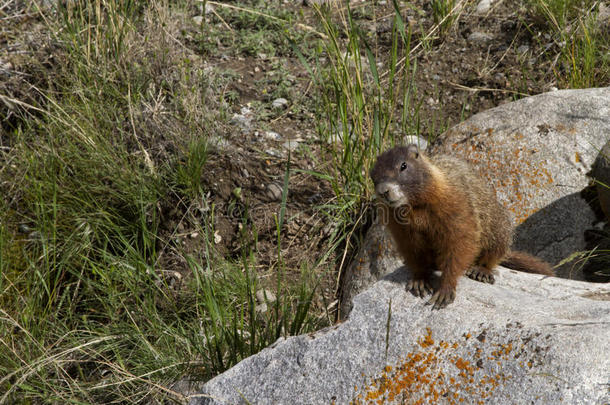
point(426, 341)
point(421, 377)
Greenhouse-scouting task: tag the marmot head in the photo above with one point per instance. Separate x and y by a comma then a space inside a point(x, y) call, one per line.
point(400, 176)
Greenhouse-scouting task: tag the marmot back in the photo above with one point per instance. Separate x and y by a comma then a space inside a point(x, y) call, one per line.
point(492, 217)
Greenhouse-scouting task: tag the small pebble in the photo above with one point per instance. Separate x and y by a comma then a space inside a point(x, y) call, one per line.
point(292, 144)
point(265, 296)
point(417, 140)
point(273, 152)
point(274, 191)
point(480, 37)
point(23, 228)
point(274, 136)
point(279, 103)
point(483, 7)
point(241, 120)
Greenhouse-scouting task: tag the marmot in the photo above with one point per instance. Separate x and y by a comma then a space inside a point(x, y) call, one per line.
point(444, 216)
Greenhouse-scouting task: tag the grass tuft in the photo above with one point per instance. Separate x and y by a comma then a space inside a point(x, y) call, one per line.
point(89, 312)
point(579, 35)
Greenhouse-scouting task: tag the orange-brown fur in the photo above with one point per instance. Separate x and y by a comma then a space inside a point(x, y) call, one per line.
point(451, 221)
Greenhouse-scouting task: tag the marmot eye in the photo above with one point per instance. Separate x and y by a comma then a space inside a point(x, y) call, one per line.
point(403, 166)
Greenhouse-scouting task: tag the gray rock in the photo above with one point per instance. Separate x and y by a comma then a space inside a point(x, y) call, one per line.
point(480, 37)
point(422, 143)
point(483, 7)
point(274, 191)
point(261, 308)
point(243, 120)
point(279, 103)
point(273, 152)
point(292, 144)
point(523, 49)
point(374, 260)
point(603, 17)
point(525, 339)
point(601, 174)
point(265, 296)
point(198, 19)
point(274, 136)
point(536, 153)
point(218, 143)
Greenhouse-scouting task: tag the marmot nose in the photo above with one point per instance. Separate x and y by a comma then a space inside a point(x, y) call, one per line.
point(383, 190)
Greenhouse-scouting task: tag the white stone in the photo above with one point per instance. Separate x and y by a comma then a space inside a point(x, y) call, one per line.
point(265, 296)
point(480, 37)
point(483, 7)
point(274, 136)
point(279, 103)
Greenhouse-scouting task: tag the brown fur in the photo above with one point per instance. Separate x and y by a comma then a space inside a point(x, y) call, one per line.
point(527, 263)
point(448, 219)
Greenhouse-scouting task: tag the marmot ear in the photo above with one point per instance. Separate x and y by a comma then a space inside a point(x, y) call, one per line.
point(412, 151)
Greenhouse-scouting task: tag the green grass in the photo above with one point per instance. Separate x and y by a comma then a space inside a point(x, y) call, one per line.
point(360, 102)
point(369, 101)
point(583, 45)
point(444, 14)
point(88, 313)
point(251, 29)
